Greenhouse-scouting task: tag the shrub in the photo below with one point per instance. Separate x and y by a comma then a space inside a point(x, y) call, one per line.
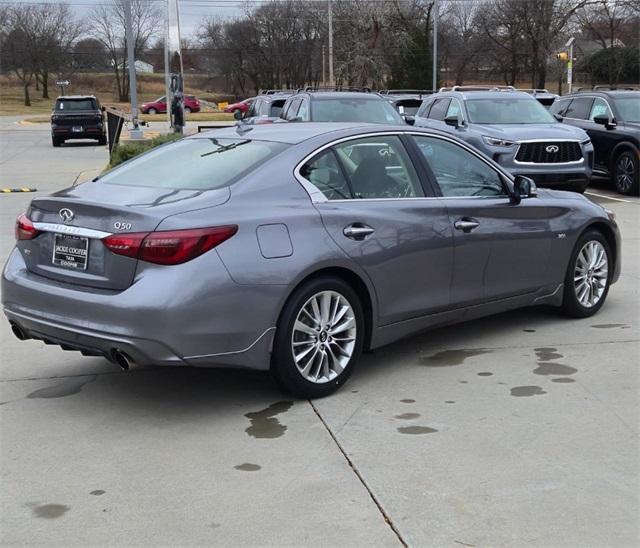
point(126, 151)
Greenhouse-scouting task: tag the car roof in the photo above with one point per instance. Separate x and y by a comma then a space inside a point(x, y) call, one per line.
point(323, 95)
point(297, 132)
point(606, 93)
point(67, 97)
point(488, 94)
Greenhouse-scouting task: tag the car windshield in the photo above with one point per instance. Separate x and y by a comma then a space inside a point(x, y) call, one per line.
point(508, 110)
point(65, 105)
point(629, 108)
point(194, 164)
point(354, 110)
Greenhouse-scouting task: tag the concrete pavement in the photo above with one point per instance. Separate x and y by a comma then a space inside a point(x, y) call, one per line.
point(517, 429)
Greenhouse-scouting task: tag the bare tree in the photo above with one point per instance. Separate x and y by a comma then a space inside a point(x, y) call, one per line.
point(109, 28)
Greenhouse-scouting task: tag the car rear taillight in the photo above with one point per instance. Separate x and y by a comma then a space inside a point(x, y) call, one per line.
point(169, 247)
point(25, 229)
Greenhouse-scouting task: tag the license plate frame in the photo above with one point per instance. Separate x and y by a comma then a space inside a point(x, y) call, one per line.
point(77, 129)
point(72, 257)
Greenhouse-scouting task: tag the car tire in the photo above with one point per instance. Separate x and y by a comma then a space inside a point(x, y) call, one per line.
point(56, 141)
point(236, 110)
point(580, 188)
point(151, 111)
point(187, 110)
point(626, 173)
point(102, 141)
point(588, 276)
point(323, 362)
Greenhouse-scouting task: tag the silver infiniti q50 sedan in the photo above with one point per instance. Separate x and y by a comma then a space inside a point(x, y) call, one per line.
point(294, 247)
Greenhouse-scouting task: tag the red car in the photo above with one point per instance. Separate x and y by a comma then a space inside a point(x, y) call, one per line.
point(191, 104)
point(242, 106)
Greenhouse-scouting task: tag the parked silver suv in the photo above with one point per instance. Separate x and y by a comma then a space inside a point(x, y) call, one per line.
point(516, 131)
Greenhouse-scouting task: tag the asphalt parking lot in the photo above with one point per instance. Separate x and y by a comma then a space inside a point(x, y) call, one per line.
point(516, 429)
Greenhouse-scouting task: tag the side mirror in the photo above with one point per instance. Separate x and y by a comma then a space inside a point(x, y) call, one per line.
point(452, 121)
point(605, 121)
point(237, 114)
point(523, 187)
point(411, 120)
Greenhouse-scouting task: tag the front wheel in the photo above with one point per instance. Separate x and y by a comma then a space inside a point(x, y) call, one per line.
point(626, 173)
point(588, 277)
point(319, 338)
point(56, 141)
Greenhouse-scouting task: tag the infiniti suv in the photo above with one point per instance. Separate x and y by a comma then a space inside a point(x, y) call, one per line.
point(516, 131)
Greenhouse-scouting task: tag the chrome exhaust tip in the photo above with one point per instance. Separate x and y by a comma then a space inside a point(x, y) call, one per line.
point(19, 332)
point(121, 359)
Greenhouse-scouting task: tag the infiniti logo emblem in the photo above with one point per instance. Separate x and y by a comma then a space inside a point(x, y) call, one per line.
point(66, 214)
point(552, 148)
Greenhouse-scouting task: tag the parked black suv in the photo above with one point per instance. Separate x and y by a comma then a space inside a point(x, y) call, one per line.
point(339, 105)
point(612, 119)
point(77, 117)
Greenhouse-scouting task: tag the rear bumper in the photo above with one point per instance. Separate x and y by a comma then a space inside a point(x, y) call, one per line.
point(66, 132)
point(169, 316)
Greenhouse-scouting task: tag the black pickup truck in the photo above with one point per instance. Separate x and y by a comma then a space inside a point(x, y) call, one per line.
point(77, 117)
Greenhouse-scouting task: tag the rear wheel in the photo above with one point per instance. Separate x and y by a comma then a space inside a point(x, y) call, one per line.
point(588, 276)
point(56, 141)
point(319, 338)
point(152, 111)
point(187, 110)
point(626, 174)
point(102, 140)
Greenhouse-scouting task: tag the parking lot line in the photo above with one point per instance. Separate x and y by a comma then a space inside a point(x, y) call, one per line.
point(610, 197)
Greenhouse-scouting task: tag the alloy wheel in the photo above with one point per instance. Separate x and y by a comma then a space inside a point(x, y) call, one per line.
point(323, 337)
point(591, 273)
point(624, 173)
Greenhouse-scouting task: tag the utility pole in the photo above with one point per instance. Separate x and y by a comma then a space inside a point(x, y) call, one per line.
point(434, 68)
point(331, 80)
point(324, 79)
point(167, 78)
point(136, 132)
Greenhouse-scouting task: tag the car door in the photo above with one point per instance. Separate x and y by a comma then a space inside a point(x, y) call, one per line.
point(501, 249)
point(603, 139)
point(375, 208)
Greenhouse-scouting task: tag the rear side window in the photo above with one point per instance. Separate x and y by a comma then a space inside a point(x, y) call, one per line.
point(424, 109)
point(439, 109)
point(70, 105)
point(579, 108)
point(194, 164)
point(325, 174)
point(559, 106)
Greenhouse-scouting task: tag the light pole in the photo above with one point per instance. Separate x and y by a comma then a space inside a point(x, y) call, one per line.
point(331, 81)
point(434, 76)
point(135, 132)
point(569, 45)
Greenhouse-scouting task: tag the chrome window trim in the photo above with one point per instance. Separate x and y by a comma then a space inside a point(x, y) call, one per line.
point(589, 119)
point(71, 230)
point(574, 162)
point(318, 197)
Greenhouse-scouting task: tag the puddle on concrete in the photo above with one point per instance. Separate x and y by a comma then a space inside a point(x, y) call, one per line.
point(545, 368)
point(449, 401)
point(354, 391)
point(463, 382)
point(563, 380)
point(263, 423)
point(529, 330)
point(416, 430)
point(67, 388)
point(97, 492)
point(547, 354)
point(407, 416)
point(50, 511)
point(447, 358)
point(215, 525)
point(248, 467)
point(526, 391)
point(485, 374)
point(609, 325)
point(408, 400)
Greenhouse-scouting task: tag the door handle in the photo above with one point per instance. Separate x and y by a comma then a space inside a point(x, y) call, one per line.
point(358, 231)
point(466, 224)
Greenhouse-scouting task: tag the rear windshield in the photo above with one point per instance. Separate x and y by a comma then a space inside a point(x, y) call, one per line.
point(629, 108)
point(409, 107)
point(508, 111)
point(194, 164)
point(65, 105)
point(354, 110)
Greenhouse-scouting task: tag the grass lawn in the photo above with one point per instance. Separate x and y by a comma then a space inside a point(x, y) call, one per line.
point(194, 117)
point(150, 87)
